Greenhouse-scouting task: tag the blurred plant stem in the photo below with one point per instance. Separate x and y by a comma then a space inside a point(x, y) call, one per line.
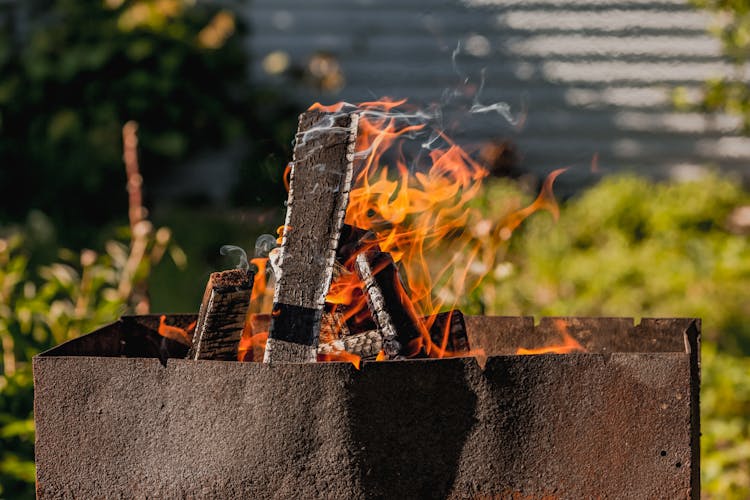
point(139, 228)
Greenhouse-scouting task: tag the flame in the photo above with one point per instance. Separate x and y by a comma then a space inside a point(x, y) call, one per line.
point(414, 209)
point(568, 345)
point(175, 333)
point(544, 201)
point(280, 231)
point(422, 207)
point(341, 356)
point(411, 209)
point(287, 173)
point(249, 344)
point(260, 282)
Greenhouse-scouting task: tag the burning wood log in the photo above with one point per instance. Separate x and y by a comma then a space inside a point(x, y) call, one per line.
point(348, 313)
point(222, 315)
point(448, 334)
point(404, 332)
point(393, 312)
point(320, 182)
point(380, 290)
point(366, 345)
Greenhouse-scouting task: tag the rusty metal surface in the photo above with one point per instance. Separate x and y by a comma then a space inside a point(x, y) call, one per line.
point(603, 424)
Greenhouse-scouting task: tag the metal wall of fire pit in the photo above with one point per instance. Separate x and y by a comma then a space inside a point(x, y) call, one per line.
point(620, 421)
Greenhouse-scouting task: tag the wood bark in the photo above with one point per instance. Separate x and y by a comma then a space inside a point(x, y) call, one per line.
point(319, 188)
point(222, 315)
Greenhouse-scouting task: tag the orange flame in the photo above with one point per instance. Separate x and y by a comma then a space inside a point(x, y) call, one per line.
point(249, 344)
point(545, 201)
point(175, 333)
point(568, 345)
point(422, 208)
point(287, 173)
point(341, 356)
point(410, 213)
point(414, 209)
point(259, 280)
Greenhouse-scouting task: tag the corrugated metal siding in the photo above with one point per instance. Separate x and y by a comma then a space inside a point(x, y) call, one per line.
point(595, 76)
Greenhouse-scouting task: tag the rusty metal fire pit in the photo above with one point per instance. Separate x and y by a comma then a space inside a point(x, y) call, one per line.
point(116, 418)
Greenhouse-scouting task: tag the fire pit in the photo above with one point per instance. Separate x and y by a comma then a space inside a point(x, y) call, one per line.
point(120, 412)
point(426, 403)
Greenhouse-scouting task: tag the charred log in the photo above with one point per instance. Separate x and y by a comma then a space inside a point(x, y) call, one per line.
point(319, 188)
point(447, 332)
point(366, 345)
point(393, 312)
point(222, 315)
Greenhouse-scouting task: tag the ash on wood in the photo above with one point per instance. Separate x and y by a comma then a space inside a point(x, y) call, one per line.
point(333, 326)
point(319, 188)
point(222, 315)
point(393, 312)
point(366, 345)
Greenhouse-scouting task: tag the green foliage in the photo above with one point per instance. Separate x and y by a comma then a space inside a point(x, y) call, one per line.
point(628, 247)
point(730, 93)
point(84, 68)
point(725, 425)
point(17, 472)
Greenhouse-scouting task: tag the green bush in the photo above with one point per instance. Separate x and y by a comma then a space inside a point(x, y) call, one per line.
point(725, 425)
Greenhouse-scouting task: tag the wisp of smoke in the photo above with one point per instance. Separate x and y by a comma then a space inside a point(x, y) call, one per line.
point(264, 244)
point(228, 249)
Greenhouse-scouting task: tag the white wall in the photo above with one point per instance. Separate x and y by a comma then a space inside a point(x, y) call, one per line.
point(596, 76)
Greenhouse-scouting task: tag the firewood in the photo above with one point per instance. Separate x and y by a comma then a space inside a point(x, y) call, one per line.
point(448, 327)
point(352, 317)
point(389, 303)
point(222, 315)
point(366, 345)
point(320, 182)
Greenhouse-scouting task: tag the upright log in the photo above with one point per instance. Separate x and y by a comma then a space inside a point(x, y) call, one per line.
point(222, 315)
point(319, 188)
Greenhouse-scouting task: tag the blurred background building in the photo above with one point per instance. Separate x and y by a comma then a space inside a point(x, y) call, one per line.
point(593, 77)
